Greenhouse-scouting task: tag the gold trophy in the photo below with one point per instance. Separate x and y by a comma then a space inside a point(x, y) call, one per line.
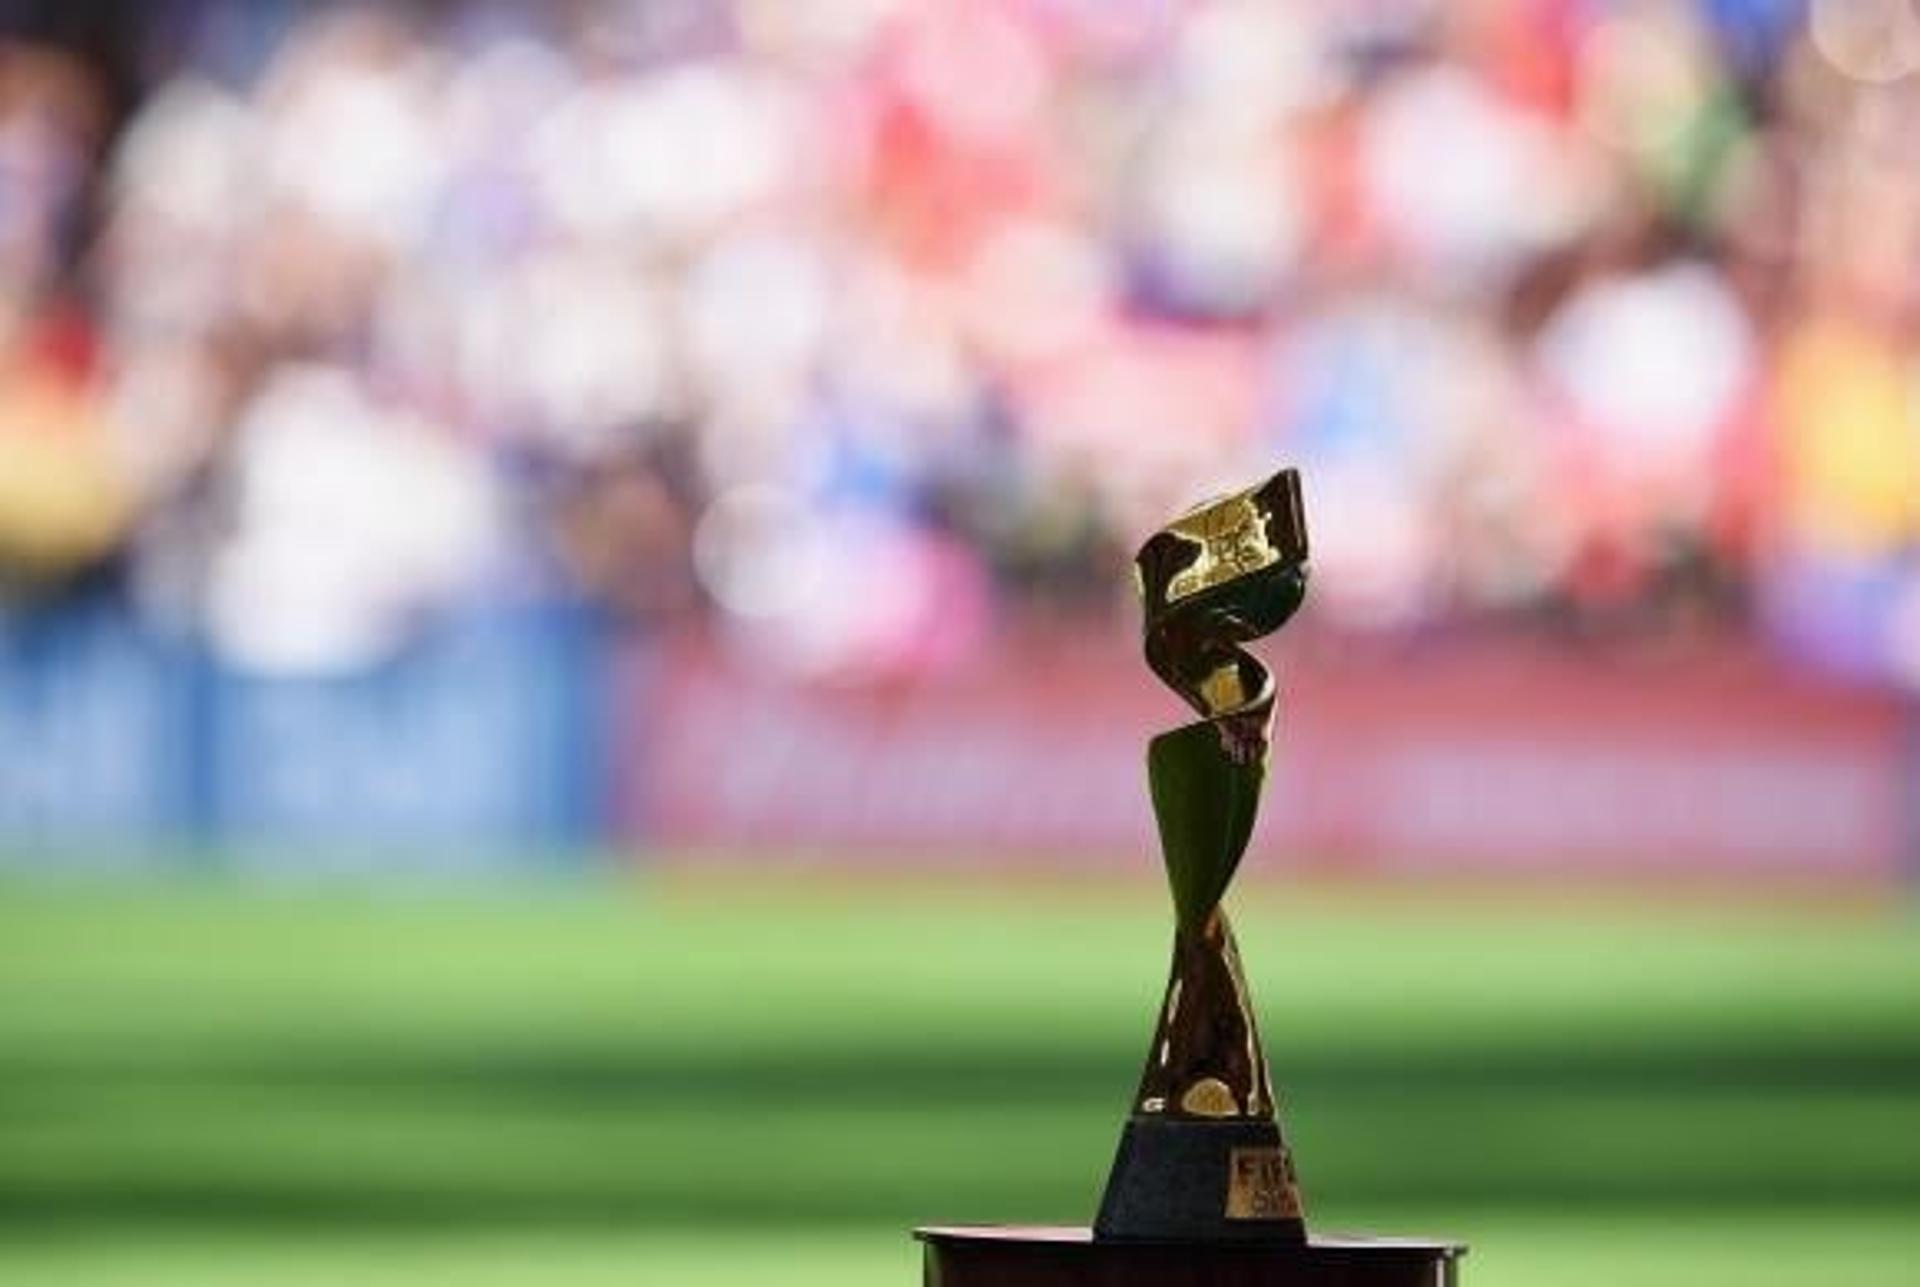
point(1202, 1155)
point(1202, 1191)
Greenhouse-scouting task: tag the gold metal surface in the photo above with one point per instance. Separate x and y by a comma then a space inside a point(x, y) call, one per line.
point(1224, 574)
point(1207, 1062)
point(1228, 571)
point(1231, 541)
point(1209, 1097)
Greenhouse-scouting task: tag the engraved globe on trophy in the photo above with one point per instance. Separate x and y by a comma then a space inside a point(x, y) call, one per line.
point(1202, 1189)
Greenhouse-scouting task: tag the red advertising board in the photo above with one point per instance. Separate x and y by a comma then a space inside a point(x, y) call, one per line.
point(1472, 759)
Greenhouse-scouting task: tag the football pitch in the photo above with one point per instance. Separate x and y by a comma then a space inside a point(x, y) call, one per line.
point(638, 1081)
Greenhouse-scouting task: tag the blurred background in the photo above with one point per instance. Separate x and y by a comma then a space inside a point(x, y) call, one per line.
point(569, 704)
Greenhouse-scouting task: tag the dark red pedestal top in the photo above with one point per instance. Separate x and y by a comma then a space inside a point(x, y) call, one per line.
point(1070, 1234)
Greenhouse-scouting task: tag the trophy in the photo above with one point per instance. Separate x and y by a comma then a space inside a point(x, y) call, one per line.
point(1203, 1189)
point(1202, 1155)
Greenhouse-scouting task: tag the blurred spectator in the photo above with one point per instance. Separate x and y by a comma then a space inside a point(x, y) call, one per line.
point(63, 501)
point(869, 324)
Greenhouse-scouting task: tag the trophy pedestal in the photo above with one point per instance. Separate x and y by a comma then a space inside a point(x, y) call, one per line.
point(1061, 1256)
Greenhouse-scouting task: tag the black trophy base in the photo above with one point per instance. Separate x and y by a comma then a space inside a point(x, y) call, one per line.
point(1194, 1181)
point(1005, 1256)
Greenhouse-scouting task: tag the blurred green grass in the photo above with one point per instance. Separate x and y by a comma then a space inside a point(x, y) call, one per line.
point(642, 1082)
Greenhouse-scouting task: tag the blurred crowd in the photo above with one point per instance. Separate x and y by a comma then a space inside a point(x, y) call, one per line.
point(865, 328)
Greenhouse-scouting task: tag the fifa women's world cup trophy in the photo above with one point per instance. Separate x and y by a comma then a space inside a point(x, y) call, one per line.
point(1202, 1156)
point(1202, 1191)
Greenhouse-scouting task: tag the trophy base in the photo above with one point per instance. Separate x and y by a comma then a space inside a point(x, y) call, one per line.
point(1010, 1256)
point(1181, 1180)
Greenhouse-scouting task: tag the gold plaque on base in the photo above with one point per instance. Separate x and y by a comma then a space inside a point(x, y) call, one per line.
point(1260, 1185)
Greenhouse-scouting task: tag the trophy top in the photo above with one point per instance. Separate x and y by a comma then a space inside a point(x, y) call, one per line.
point(1222, 540)
point(1225, 572)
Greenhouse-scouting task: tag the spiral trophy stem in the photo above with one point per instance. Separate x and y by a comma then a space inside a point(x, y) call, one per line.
point(1202, 1155)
